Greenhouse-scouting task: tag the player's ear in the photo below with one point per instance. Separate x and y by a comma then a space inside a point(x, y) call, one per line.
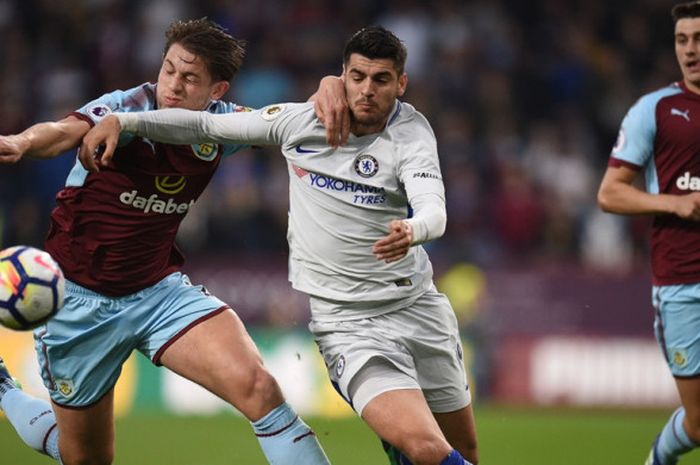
point(219, 89)
point(403, 82)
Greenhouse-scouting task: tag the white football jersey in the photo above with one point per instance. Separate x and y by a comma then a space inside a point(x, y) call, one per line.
point(341, 200)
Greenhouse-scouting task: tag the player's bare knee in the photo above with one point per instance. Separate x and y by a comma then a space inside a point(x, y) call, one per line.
point(267, 388)
point(261, 393)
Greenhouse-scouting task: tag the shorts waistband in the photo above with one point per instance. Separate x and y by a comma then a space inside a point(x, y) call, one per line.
point(77, 289)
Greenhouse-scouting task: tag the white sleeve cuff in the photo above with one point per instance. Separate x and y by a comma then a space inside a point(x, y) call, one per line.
point(128, 121)
point(429, 218)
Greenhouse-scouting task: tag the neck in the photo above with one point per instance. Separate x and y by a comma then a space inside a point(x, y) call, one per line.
point(694, 87)
point(360, 129)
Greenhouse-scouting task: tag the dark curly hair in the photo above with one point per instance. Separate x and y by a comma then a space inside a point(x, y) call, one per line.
point(222, 53)
point(376, 42)
point(686, 10)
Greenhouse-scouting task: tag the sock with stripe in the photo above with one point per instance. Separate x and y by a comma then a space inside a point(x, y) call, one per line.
point(286, 440)
point(397, 458)
point(673, 440)
point(33, 419)
point(455, 458)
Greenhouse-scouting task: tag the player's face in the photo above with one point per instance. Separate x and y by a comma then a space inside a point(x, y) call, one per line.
point(687, 38)
point(185, 82)
point(372, 86)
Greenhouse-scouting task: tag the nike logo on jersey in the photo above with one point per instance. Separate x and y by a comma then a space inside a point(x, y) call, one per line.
point(299, 149)
point(682, 114)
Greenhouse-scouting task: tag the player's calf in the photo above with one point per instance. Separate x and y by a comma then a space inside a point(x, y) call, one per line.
point(32, 418)
point(7, 382)
point(286, 439)
point(672, 442)
point(692, 425)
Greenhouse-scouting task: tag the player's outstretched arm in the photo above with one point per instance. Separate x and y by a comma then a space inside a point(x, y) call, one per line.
point(331, 106)
point(180, 126)
point(99, 144)
point(43, 140)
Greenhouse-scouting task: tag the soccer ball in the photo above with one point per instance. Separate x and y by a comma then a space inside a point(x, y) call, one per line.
point(31, 287)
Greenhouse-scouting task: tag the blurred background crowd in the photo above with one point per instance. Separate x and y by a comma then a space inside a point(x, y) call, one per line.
point(525, 99)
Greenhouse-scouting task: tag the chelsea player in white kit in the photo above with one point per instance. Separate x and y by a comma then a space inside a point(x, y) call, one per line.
point(389, 339)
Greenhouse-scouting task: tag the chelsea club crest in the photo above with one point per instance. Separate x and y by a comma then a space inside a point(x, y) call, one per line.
point(366, 165)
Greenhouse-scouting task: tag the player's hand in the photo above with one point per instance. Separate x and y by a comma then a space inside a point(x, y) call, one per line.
point(331, 107)
point(395, 245)
point(12, 148)
point(688, 206)
point(99, 144)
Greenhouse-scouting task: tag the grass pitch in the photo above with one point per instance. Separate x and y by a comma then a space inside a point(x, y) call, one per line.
point(507, 436)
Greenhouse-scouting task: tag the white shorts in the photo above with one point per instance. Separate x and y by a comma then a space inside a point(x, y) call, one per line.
point(416, 347)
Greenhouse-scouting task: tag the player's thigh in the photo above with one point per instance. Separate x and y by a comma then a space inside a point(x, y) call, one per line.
point(459, 428)
point(86, 435)
point(400, 416)
point(214, 352)
point(391, 402)
point(219, 354)
point(198, 336)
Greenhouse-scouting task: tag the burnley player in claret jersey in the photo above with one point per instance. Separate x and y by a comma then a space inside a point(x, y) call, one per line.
point(113, 233)
point(660, 137)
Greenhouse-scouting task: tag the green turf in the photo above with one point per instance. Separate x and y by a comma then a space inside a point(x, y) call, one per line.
point(507, 436)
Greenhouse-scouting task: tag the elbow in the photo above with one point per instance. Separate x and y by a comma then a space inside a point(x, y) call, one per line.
point(604, 201)
point(442, 226)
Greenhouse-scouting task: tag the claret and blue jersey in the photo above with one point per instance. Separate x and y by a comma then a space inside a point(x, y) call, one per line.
point(661, 135)
point(114, 231)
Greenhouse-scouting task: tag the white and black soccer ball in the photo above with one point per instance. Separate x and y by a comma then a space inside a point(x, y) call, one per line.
point(31, 287)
